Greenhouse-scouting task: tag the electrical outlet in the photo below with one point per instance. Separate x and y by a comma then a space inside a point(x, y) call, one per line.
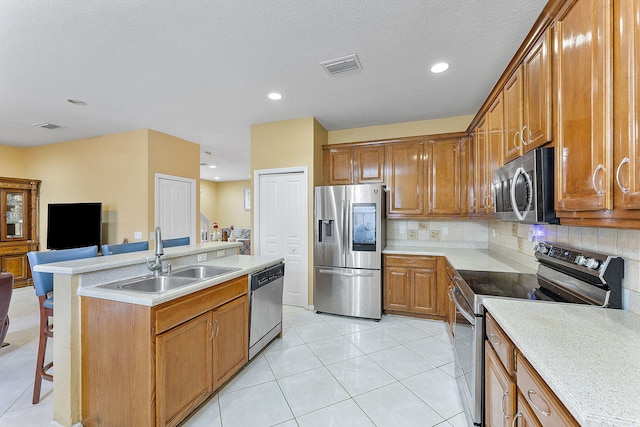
point(202, 257)
point(445, 231)
point(137, 234)
point(221, 253)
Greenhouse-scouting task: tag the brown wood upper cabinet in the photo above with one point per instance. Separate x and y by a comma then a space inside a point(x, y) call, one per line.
point(582, 125)
point(405, 173)
point(489, 137)
point(626, 65)
point(353, 165)
point(444, 183)
point(527, 102)
point(481, 184)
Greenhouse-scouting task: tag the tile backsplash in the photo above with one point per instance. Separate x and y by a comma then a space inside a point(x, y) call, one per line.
point(516, 241)
point(438, 234)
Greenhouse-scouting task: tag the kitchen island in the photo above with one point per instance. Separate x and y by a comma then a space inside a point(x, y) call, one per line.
point(75, 280)
point(588, 356)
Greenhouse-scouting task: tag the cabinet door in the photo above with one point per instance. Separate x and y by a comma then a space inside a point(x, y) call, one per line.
point(183, 369)
point(424, 290)
point(396, 288)
point(406, 179)
point(14, 215)
point(467, 166)
point(525, 415)
point(369, 163)
point(338, 166)
point(231, 339)
point(495, 142)
point(513, 117)
point(14, 264)
point(444, 177)
point(536, 67)
point(627, 105)
point(500, 392)
point(582, 66)
point(482, 202)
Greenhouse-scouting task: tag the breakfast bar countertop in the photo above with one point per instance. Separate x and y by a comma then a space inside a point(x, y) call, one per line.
point(464, 258)
point(589, 356)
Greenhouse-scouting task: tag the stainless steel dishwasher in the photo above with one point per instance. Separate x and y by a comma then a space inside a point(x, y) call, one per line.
point(265, 319)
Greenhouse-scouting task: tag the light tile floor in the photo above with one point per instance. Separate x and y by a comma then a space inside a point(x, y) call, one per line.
point(325, 371)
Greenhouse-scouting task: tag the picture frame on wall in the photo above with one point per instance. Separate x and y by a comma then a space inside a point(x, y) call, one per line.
point(247, 199)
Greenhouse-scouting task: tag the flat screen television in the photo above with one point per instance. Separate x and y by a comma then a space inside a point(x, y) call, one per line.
point(74, 225)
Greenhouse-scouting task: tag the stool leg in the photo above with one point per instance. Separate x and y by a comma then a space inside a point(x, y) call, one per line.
point(45, 332)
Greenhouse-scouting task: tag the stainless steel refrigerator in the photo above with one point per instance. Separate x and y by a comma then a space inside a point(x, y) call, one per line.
point(349, 236)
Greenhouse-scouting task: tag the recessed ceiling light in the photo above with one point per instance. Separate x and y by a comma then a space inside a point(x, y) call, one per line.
point(216, 177)
point(275, 96)
point(76, 102)
point(212, 166)
point(439, 67)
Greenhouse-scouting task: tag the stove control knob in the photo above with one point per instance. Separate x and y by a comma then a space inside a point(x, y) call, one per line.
point(593, 263)
point(542, 248)
point(581, 260)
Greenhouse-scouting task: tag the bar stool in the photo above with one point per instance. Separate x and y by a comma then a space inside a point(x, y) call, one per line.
point(43, 284)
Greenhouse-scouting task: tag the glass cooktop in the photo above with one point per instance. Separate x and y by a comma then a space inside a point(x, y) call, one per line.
point(509, 285)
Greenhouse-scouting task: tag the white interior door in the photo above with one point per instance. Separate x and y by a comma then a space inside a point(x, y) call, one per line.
point(282, 229)
point(175, 206)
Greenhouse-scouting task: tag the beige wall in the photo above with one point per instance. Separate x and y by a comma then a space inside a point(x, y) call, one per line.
point(172, 156)
point(209, 199)
point(290, 143)
point(398, 130)
point(13, 162)
point(110, 169)
point(231, 204)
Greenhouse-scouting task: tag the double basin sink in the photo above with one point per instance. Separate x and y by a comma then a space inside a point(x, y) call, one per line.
point(166, 282)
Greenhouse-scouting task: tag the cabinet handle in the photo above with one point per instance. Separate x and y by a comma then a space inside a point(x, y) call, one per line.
point(515, 136)
point(217, 327)
point(211, 327)
point(622, 187)
point(522, 134)
point(505, 394)
point(515, 419)
point(530, 392)
point(599, 168)
point(494, 339)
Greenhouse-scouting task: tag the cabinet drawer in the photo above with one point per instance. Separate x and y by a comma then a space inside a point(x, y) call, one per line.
point(175, 312)
point(410, 261)
point(18, 249)
point(545, 405)
point(502, 345)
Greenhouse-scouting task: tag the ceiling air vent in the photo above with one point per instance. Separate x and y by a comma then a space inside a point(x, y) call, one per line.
point(340, 65)
point(46, 125)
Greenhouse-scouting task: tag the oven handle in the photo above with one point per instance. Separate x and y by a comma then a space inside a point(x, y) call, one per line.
point(514, 206)
point(471, 319)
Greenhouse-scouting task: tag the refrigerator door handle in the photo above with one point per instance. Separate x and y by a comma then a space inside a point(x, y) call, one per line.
point(342, 273)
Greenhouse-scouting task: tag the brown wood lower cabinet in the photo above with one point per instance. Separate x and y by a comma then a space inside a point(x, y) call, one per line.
point(512, 384)
point(152, 366)
point(412, 285)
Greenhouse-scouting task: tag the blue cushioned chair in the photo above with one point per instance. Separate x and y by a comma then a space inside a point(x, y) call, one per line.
point(124, 248)
point(179, 241)
point(43, 284)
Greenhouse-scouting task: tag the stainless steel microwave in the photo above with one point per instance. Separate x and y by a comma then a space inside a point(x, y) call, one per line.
point(524, 188)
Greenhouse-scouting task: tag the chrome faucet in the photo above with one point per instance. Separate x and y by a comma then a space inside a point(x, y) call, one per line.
point(156, 267)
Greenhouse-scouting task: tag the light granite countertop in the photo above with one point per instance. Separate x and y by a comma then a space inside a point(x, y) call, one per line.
point(464, 259)
point(94, 272)
point(589, 356)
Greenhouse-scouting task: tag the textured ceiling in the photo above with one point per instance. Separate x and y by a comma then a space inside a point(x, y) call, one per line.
point(201, 69)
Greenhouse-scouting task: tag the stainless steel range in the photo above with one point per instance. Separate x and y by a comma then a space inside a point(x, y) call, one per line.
point(564, 274)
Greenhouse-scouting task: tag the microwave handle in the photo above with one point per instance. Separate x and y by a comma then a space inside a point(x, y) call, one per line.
point(514, 206)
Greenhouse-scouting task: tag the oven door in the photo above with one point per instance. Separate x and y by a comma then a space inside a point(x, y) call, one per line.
point(468, 356)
